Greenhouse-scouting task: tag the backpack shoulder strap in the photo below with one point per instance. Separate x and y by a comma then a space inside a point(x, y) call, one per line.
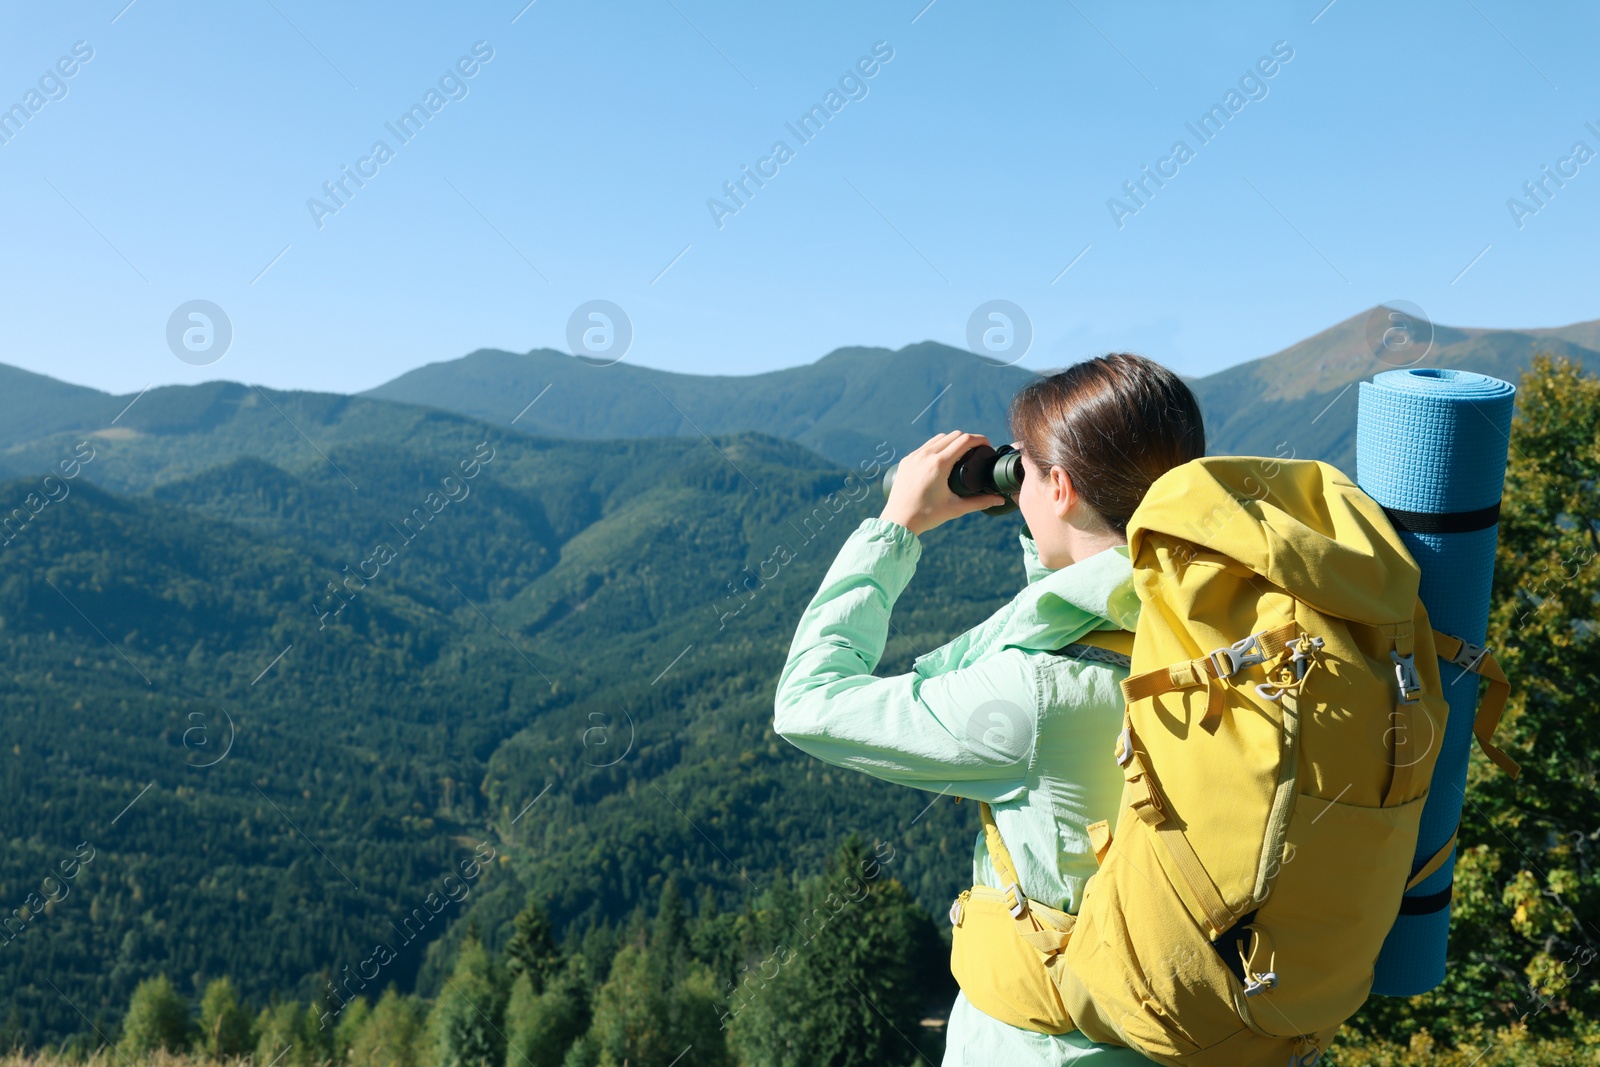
point(1046, 928)
point(1000, 856)
point(1118, 641)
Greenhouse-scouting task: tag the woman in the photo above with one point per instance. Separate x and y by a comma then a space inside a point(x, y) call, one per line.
point(996, 715)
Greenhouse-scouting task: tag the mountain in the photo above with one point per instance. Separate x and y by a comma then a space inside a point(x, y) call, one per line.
point(36, 405)
point(1293, 402)
point(1300, 402)
point(841, 406)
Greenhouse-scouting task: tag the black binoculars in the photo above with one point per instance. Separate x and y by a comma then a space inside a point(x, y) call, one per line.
point(982, 470)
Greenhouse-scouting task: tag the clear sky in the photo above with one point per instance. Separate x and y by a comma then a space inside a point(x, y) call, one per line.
point(1375, 163)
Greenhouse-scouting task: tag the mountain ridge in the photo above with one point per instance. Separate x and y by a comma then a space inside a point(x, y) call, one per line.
point(842, 406)
point(1292, 402)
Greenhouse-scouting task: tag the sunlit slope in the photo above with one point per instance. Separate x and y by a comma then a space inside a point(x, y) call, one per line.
point(1301, 402)
point(842, 406)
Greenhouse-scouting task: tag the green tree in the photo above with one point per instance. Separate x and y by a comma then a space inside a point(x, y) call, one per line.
point(717, 937)
point(541, 1027)
point(656, 1004)
point(641, 1013)
point(763, 972)
point(532, 949)
point(863, 981)
point(839, 978)
point(157, 1019)
point(585, 1052)
point(393, 1035)
point(669, 934)
point(466, 1019)
point(225, 1028)
point(288, 1036)
point(353, 1019)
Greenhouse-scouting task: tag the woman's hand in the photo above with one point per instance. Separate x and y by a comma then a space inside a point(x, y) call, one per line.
point(921, 498)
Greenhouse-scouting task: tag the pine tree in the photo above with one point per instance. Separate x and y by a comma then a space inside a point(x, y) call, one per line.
point(597, 948)
point(837, 978)
point(532, 949)
point(585, 1052)
point(669, 935)
point(657, 1004)
point(157, 1019)
point(715, 937)
point(225, 1028)
point(631, 1013)
point(541, 1027)
point(466, 1019)
point(861, 984)
point(766, 1017)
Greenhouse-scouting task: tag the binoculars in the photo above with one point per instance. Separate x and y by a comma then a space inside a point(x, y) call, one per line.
point(982, 470)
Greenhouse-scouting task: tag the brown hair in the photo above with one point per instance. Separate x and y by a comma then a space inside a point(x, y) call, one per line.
point(1115, 424)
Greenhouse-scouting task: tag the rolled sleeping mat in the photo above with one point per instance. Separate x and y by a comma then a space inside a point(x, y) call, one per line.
point(1431, 448)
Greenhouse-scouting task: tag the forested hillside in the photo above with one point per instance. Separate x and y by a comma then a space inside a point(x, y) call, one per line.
point(277, 699)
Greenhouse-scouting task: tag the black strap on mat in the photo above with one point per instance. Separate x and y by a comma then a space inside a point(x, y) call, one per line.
point(1442, 522)
point(1429, 904)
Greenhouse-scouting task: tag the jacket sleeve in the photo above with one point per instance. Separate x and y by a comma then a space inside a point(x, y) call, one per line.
point(969, 732)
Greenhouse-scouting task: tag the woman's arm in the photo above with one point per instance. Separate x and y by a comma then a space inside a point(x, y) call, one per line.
point(971, 730)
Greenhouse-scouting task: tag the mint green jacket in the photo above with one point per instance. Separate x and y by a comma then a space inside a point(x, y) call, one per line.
point(995, 715)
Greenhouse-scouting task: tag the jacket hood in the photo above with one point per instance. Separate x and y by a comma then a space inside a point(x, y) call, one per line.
point(1055, 608)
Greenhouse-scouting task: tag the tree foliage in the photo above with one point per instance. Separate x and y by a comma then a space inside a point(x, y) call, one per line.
point(394, 1034)
point(157, 1019)
point(289, 1036)
point(532, 950)
point(830, 970)
point(368, 759)
point(225, 1027)
point(466, 1017)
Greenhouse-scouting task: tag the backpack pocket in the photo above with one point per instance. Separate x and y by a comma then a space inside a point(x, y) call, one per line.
point(1158, 985)
point(1002, 974)
point(1334, 900)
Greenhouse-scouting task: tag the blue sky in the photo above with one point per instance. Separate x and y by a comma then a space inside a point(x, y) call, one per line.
point(975, 164)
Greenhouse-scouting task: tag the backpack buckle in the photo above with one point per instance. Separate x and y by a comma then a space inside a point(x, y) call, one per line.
point(1260, 983)
point(1017, 901)
point(1125, 746)
point(1231, 659)
point(1468, 655)
point(1405, 677)
point(1304, 649)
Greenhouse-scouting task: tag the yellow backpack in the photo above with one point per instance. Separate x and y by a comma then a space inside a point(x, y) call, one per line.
point(1282, 720)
